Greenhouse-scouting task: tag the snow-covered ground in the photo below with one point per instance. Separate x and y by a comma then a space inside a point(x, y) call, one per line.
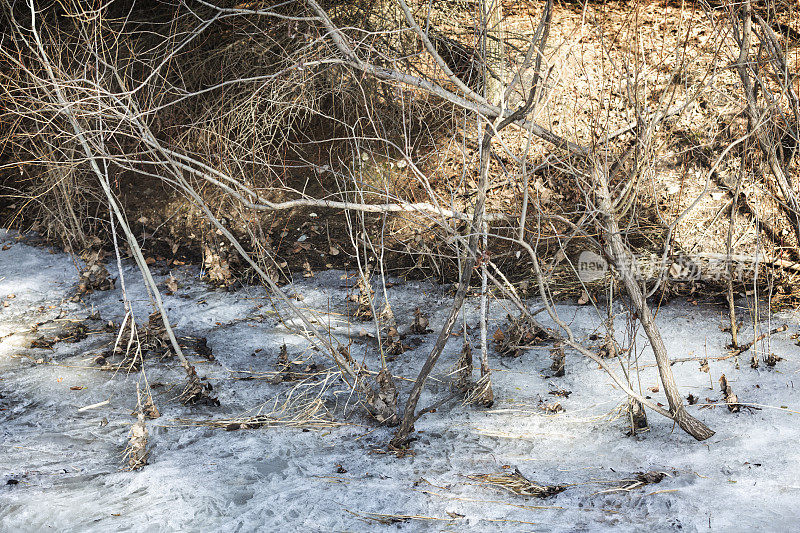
point(62, 469)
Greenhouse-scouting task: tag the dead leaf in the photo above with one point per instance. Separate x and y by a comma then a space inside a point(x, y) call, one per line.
point(172, 283)
point(420, 323)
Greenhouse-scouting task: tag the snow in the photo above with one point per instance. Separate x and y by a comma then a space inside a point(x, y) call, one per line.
point(68, 463)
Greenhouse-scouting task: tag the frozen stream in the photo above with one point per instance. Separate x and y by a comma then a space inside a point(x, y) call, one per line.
point(61, 468)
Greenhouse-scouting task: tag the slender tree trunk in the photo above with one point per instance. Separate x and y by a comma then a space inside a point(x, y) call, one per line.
point(620, 256)
point(729, 246)
point(494, 50)
point(409, 415)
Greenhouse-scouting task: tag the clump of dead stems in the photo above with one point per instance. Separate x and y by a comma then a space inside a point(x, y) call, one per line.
point(136, 451)
point(521, 334)
point(516, 483)
point(301, 407)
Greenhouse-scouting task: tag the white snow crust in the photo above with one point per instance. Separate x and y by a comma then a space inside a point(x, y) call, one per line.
point(68, 464)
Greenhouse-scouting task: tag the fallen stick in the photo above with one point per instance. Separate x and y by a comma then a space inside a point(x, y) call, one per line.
point(741, 349)
point(94, 406)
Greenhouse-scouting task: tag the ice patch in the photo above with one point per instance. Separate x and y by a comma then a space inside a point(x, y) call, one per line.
point(67, 463)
